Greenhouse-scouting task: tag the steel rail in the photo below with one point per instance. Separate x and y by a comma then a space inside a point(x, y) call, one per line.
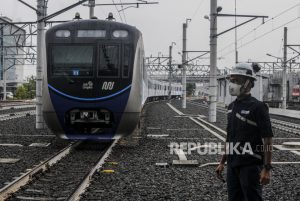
point(15, 185)
point(75, 196)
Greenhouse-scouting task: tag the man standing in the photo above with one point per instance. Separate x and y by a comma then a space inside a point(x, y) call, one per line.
point(249, 139)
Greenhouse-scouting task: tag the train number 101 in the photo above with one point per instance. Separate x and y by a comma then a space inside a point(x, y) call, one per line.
point(108, 85)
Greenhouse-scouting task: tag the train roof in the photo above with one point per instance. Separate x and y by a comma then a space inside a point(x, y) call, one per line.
point(94, 24)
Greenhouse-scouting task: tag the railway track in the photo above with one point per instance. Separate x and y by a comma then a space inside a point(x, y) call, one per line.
point(65, 176)
point(286, 126)
point(278, 124)
point(4, 104)
point(14, 115)
point(16, 107)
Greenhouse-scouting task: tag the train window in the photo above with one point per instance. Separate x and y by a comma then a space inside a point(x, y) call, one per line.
point(91, 33)
point(72, 60)
point(126, 60)
point(109, 61)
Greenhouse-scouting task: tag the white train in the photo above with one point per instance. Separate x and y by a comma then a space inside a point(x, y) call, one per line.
point(96, 82)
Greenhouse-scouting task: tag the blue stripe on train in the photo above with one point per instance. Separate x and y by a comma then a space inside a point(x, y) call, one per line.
point(89, 99)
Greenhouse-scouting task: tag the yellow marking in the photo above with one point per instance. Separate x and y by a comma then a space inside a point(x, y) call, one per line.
point(107, 171)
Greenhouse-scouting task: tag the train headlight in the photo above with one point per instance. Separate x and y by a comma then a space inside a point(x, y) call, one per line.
point(120, 34)
point(63, 33)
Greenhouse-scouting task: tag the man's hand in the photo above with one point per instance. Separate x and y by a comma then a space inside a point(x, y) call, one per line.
point(265, 176)
point(219, 171)
point(220, 168)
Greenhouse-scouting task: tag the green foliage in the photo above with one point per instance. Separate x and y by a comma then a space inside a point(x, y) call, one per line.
point(190, 88)
point(26, 90)
point(21, 92)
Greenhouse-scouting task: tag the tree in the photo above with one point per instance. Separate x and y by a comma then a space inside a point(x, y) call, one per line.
point(21, 92)
point(27, 90)
point(30, 87)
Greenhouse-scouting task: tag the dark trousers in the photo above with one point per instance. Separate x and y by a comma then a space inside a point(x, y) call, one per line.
point(243, 183)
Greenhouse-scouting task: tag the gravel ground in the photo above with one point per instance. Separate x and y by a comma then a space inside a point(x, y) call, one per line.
point(16, 110)
point(22, 126)
point(136, 176)
point(22, 131)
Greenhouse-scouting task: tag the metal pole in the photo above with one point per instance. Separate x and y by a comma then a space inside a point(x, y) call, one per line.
point(4, 77)
point(92, 8)
point(41, 7)
point(284, 69)
point(235, 42)
point(2, 63)
point(260, 79)
point(170, 70)
point(184, 66)
point(213, 63)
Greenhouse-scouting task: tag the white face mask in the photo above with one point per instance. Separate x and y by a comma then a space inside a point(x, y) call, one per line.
point(234, 89)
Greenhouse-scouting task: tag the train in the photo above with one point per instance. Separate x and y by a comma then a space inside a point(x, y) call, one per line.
point(96, 83)
point(296, 93)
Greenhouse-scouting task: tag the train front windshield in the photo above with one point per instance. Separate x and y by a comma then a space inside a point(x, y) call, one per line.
point(111, 61)
point(108, 61)
point(72, 60)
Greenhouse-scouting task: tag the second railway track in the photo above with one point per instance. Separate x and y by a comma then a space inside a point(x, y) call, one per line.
point(62, 177)
point(14, 115)
point(286, 126)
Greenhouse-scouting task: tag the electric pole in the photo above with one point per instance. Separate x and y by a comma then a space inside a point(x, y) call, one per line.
point(41, 7)
point(261, 90)
point(235, 40)
point(170, 70)
point(184, 59)
point(213, 63)
point(284, 69)
point(92, 8)
point(4, 76)
point(2, 63)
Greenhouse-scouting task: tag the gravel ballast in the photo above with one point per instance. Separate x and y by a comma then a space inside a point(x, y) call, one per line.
point(137, 176)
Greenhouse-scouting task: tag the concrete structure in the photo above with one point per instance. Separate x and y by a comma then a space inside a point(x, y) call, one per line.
point(11, 36)
point(275, 86)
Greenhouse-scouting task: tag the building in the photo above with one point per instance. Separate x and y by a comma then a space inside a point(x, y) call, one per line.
point(11, 55)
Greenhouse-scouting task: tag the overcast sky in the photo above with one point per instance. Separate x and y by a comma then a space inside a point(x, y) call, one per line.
point(162, 24)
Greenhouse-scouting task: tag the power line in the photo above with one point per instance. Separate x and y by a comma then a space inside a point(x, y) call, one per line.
point(123, 11)
point(117, 10)
point(251, 41)
point(193, 16)
point(197, 9)
point(255, 29)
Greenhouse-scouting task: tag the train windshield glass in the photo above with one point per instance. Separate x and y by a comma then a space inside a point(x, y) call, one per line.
point(108, 61)
point(126, 61)
point(72, 60)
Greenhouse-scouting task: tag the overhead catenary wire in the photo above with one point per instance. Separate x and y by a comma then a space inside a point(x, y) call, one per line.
point(123, 10)
point(193, 16)
point(262, 35)
point(260, 25)
point(121, 18)
point(197, 9)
